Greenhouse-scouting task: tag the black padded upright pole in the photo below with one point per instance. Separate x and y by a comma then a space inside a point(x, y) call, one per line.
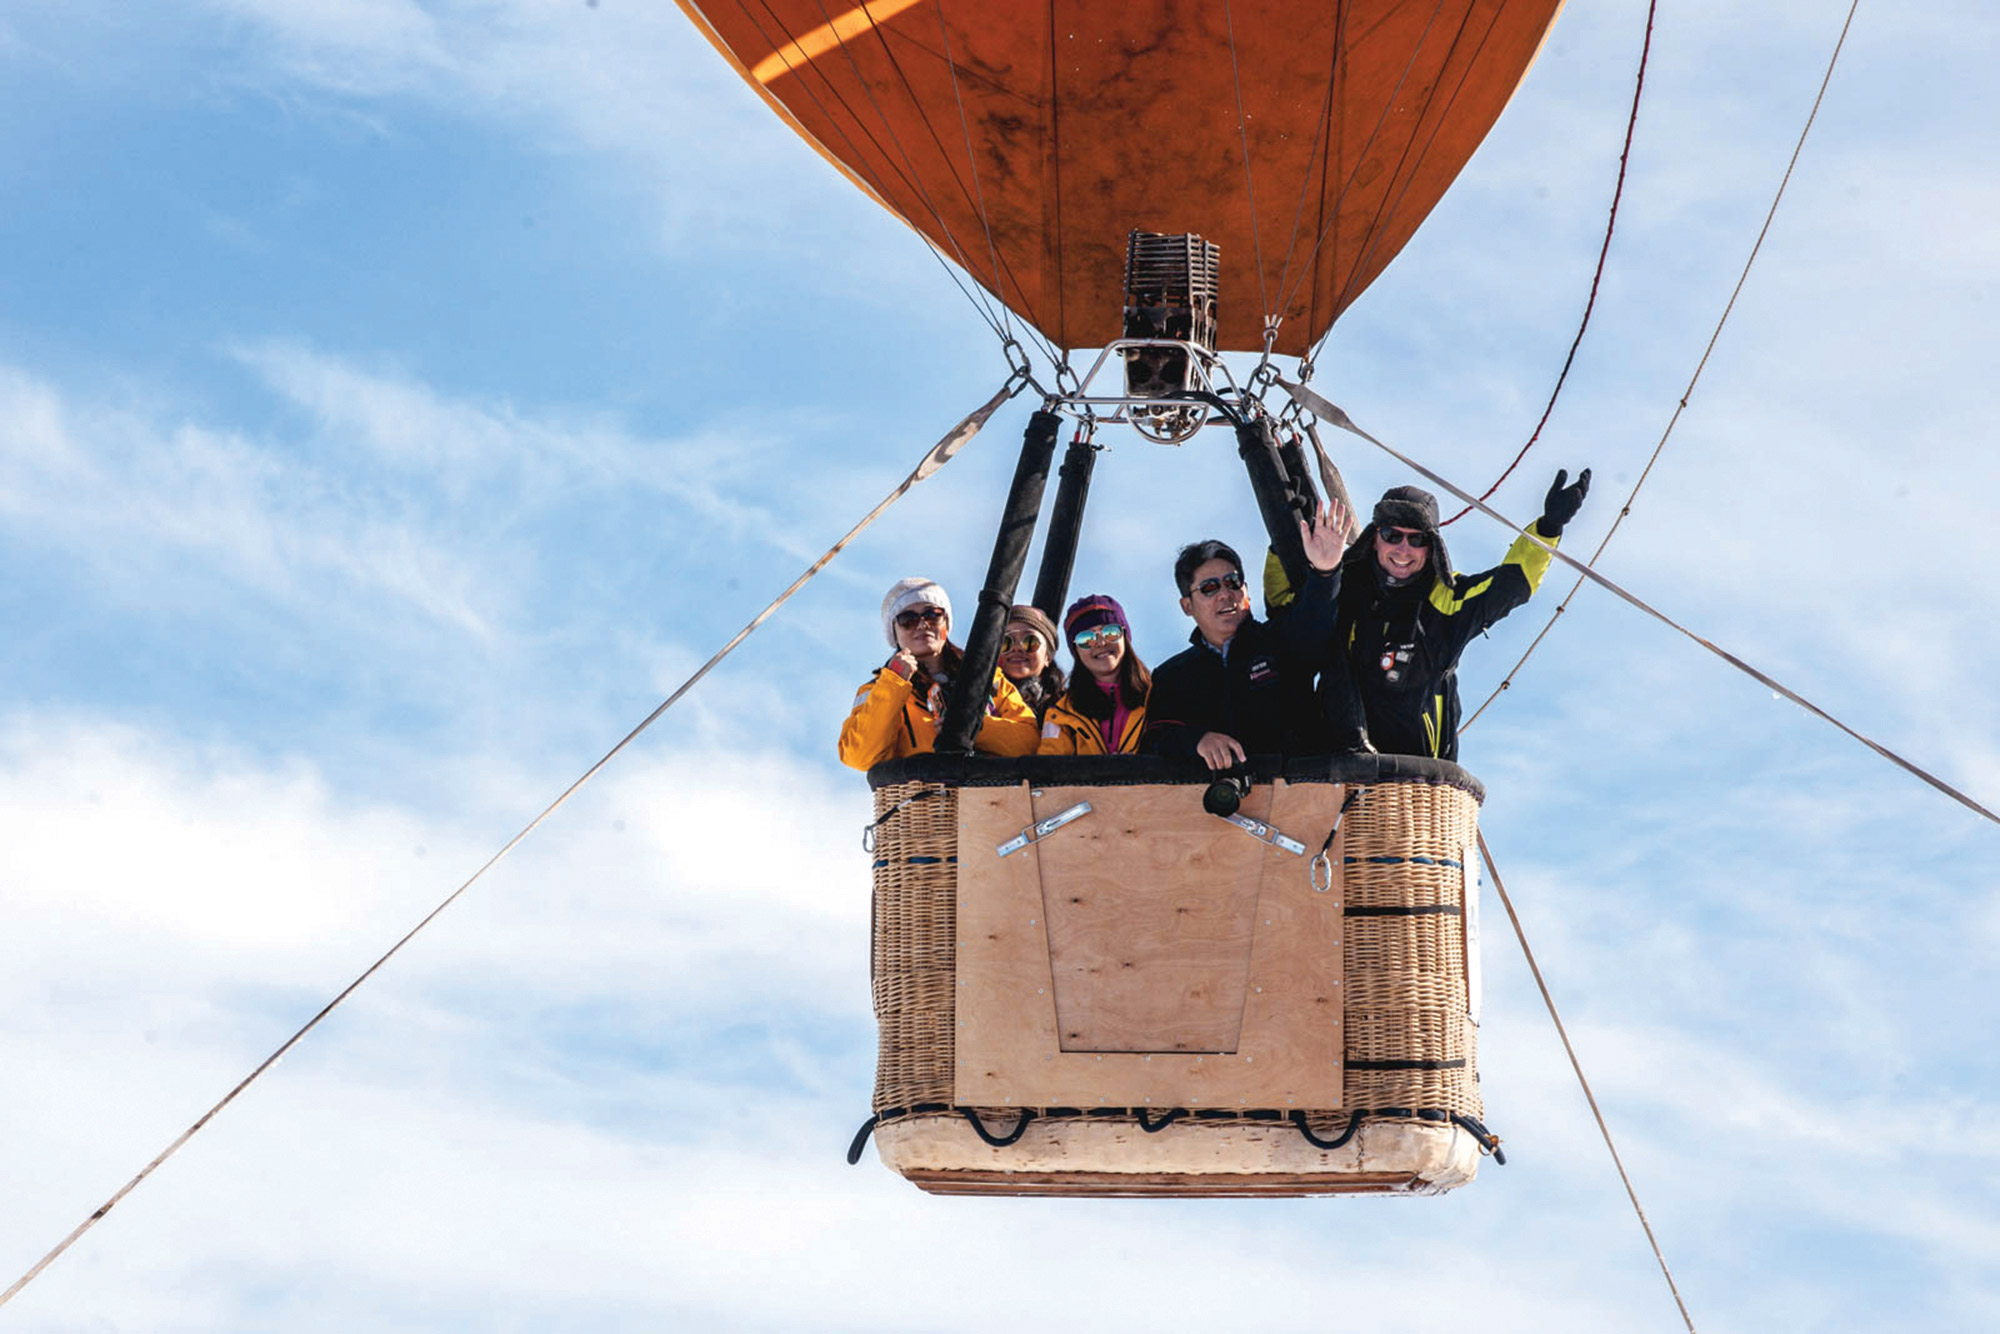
point(974, 686)
point(1065, 523)
point(1292, 456)
point(1277, 501)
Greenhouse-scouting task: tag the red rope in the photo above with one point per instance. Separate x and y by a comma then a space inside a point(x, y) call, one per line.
point(1597, 278)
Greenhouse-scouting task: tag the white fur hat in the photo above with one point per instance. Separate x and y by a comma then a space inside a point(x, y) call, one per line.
point(907, 593)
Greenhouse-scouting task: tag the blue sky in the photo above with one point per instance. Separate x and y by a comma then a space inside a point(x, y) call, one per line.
point(397, 399)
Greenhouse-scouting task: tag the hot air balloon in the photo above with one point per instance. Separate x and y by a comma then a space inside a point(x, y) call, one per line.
point(1090, 977)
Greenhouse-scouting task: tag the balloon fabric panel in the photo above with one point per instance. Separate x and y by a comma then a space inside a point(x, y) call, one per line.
point(1025, 141)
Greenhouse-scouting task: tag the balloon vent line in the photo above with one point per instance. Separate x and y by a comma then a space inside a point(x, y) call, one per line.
point(1603, 254)
point(1333, 416)
point(934, 459)
point(1249, 181)
point(1673, 420)
point(1500, 888)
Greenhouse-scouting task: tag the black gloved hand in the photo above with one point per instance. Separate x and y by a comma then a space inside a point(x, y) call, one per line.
point(1563, 502)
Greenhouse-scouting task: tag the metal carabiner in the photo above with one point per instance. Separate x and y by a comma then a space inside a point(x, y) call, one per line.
point(1067, 383)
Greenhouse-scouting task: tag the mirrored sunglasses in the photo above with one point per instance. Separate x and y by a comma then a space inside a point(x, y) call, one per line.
point(1103, 634)
point(1232, 581)
point(1022, 643)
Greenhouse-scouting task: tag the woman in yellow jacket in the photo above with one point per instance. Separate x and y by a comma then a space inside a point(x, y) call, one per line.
point(1104, 709)
point(897, 713)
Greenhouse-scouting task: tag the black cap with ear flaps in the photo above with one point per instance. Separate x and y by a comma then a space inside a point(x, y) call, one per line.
point(1406, 507)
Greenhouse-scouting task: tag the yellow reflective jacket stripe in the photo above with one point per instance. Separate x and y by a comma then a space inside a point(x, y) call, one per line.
point(1526, 552)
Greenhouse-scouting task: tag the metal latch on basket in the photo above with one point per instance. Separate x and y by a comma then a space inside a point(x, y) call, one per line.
point(1264, 833)
point(1041, 829)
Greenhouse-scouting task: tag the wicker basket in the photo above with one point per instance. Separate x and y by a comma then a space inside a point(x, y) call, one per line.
point(1410, 1101)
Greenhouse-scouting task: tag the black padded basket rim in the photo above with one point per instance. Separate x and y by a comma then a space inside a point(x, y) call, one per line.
point(1154, 771)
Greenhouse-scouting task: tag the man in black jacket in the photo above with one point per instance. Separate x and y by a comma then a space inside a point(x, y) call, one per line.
point(1405, 616)
point(1244, 686)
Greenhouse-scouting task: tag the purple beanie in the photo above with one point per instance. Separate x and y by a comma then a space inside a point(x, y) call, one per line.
point(1089, 612)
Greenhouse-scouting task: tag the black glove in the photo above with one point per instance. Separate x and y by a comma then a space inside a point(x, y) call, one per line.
point(1563, 502)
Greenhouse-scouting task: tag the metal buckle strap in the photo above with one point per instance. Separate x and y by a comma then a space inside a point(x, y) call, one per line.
point(1265, 833)
point(1041, 829)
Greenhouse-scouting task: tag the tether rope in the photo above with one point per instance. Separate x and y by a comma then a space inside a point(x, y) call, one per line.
point(1327, 412)
point(938, 455)
point(1625, 510)
point(1500, 888)
point(1603, 254)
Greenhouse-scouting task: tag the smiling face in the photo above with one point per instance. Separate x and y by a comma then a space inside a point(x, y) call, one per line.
point(1397, 552)
point(1023, 653)
point(1219, 609)
point(921, 631)
point(1100, 650)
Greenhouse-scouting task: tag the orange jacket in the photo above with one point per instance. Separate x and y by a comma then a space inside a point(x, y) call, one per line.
point(888, 722)
point(1067, 731)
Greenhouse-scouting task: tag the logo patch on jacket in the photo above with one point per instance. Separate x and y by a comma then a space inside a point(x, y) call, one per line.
point(1051, 731)
point(1262, 669)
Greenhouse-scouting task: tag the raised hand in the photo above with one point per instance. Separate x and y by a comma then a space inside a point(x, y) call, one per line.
point(1326, 536)
point(1563, 502)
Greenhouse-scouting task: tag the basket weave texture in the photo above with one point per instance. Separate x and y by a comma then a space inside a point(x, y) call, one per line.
point(1409, 1043)
point(1404, 948)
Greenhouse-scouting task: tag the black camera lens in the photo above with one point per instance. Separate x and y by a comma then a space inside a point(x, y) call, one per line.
point(1224, 795)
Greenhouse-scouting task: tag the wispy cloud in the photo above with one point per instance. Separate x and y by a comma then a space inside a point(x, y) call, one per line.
point(135, 492)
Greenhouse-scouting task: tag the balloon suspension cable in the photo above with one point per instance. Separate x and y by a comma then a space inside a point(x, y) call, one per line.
point(972, 165)
point(1541, 984)
point(933, 460)
point(1402, 100)
point(1333, 416)
point(1249, 181)
point(978, 295)
point(1673, 420)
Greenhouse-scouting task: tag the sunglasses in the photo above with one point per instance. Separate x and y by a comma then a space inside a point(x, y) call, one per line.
point(1232, 581)
point(1103, 634)
point(1019, 643)
point(1395, 537)
point(910, 620)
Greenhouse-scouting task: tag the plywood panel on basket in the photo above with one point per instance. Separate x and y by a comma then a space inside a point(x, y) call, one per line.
point(1288, 1041)
point(1150, 920)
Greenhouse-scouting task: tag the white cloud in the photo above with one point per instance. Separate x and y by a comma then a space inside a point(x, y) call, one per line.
point(610, 1087)
point(131, 489)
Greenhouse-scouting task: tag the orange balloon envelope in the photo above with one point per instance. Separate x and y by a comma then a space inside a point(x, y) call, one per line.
point(1026, 140)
